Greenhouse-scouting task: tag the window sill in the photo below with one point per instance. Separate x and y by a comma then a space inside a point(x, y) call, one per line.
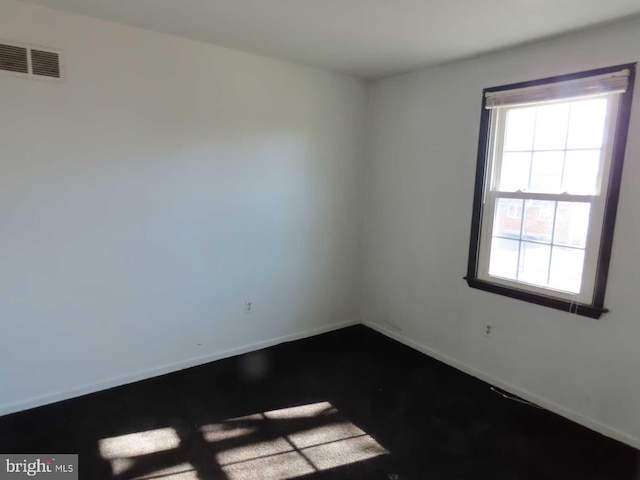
point(590, 311)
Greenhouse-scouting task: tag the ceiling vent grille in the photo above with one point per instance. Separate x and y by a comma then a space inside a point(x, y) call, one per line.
point(46, 64)
point(30, 62)
point(13, 59)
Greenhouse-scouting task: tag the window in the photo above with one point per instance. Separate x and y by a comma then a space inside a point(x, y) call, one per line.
point(547, 185)
point(514, 209)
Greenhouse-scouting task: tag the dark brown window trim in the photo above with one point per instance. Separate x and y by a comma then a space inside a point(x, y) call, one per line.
point(596, 309)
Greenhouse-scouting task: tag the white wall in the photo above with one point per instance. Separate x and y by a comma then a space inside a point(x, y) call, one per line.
point(423, 144)
point(144, 199)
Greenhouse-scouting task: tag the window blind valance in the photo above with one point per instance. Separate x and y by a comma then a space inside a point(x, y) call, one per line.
point(587, 87)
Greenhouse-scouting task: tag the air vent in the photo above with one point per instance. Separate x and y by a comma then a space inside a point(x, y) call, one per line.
point(13, 59)
point(46, 64)
point(28, 61)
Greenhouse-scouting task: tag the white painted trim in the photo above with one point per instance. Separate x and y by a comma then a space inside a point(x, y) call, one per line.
point(170, 368)
point(509, 387)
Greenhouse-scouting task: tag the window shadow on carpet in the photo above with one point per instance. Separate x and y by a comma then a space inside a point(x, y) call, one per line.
point(294, 442)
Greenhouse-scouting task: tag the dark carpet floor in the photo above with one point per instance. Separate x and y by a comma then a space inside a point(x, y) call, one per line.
point(350, 404)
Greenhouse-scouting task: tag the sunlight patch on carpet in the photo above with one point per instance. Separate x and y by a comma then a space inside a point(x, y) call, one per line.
point(278, 444)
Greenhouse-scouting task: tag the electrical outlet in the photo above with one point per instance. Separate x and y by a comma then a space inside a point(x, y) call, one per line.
point(248, 306)
point(488, 330)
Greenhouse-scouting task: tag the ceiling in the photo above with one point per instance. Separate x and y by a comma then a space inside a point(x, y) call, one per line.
point(364, 38)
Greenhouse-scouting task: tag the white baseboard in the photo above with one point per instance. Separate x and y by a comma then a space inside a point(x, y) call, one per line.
point(173, 367)
point(508, 387)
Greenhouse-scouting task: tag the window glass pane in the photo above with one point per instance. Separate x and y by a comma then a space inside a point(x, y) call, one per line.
point(572, 224)
point(566, 269)
point(520, 126)
point(546, 172)
point(538, 220)
point(586, 124)
point(503, 261)
point(508, 218)
point(514, 174)
point(534, 263)
point(581, 172)
point(551, 127)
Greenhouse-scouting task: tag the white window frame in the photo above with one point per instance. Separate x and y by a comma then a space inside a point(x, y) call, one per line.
point(616, 83)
